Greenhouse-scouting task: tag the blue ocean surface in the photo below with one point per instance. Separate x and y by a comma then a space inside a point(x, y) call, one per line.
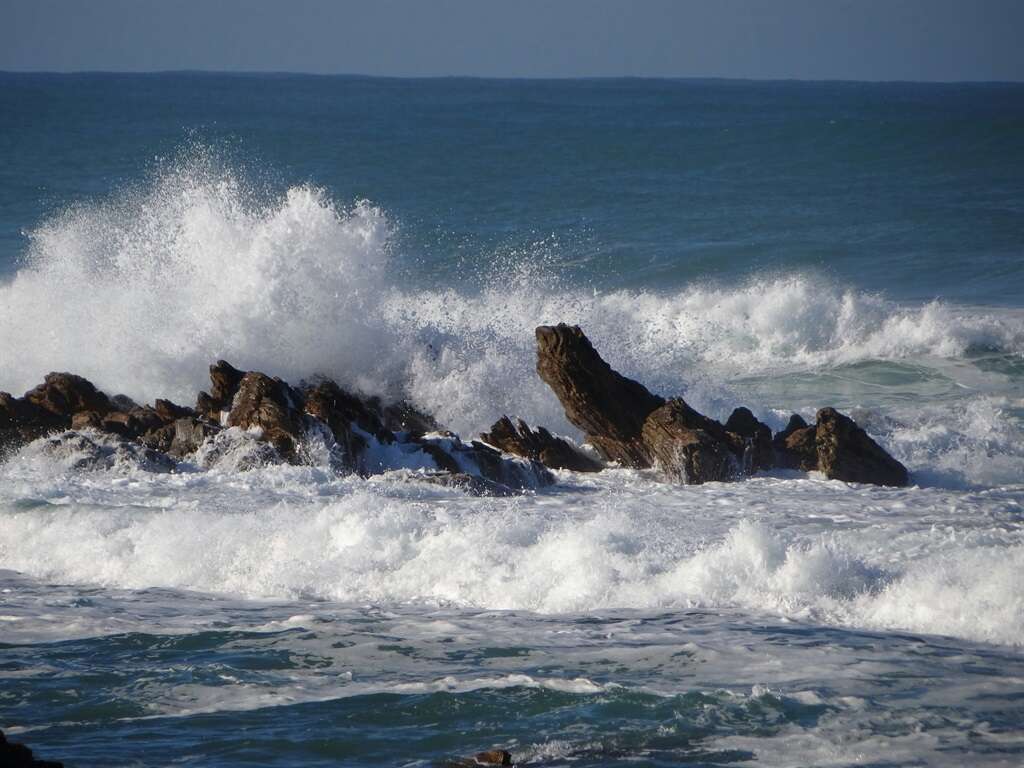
point(779, 245)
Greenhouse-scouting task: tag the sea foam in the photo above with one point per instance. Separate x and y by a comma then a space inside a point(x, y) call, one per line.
point(141, 292)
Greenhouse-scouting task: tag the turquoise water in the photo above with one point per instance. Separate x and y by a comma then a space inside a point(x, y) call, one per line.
point(781, 245)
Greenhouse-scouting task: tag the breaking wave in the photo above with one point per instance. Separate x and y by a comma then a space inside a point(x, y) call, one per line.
point(141, 292)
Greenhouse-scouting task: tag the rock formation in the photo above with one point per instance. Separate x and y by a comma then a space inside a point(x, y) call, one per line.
point(276, 422)
point(539, 445)
point(629, 425)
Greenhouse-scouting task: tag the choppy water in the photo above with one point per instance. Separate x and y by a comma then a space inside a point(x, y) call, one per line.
point(783, 246)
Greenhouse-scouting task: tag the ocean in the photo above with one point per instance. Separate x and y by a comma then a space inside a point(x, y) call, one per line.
point(779, 245)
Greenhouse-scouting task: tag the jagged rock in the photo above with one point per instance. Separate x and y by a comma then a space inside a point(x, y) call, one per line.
point(450, 454)
point(683, 450)
point(65, 394)
point(405, 417)
point(609, 408)
point(347, 416)
point(757, 439)
point(799, 450)
point(22, 421)
point(271, 406)
point(224, 382)
point(16, 755)
point(86, 420)
point(169, 412)
point(132, 424)
point(846, 452)
point(122, 403)
point(539, 445)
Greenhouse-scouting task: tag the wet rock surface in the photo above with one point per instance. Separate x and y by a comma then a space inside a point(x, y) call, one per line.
point(629, 425)
point(846, 452)
point(250, 419)
point(539, 445)
point(607, 407)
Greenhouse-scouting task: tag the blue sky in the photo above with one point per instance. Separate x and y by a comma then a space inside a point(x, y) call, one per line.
point(805, 39)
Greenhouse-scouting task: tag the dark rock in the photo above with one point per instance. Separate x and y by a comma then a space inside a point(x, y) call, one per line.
point(15, 755)
point(131, 424)
point(798, 450)
point(160, 439)
point(846, 452)
point(273, 407)
point(86, 420)
point(405, 417)
point(123, 403)
point(351, 420)
point(539, 445)
point(683, 450)
point(757, 440)
point(22, 421)
point(796, 422)
point(65, 394)
point(169, 412)
point(224, 382)
point(493, 757)
point(609, 408)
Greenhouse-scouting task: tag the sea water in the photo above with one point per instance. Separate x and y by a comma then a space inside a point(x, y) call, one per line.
point(783, 246)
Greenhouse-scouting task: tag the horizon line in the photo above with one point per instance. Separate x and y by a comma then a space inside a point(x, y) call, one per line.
point(525, 78)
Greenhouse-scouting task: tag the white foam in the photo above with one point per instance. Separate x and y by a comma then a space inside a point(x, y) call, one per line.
point(817, 551)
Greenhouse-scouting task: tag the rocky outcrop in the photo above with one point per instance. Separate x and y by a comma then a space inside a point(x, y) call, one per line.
point(629, 425)
point(607, 407)
point(271, 406)
point(16, 755)
point(683, 450)
point(64, 394)
point(846, 452)
point(794, 447)
point(538, 445)
point(758, 452)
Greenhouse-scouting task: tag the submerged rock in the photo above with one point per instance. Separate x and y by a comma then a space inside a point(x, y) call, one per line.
point(16, 755)
point(539, 445)
point(846, 452)
point(95, 452)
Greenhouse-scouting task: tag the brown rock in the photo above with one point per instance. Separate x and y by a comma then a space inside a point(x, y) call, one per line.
point(273, 407)
point(86, 420)
point(65, 394)
point(224, 382)
point(846, 452)
point(169, 412)
point(405, 417)
point(22, 421)
point(493, 757)
point(186, 435)
point(609, 408)
point(539, 445)
point(683, 450)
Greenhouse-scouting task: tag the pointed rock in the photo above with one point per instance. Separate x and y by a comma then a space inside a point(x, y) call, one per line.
point(539, 445)
point(846, 452)
point(609, 408)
